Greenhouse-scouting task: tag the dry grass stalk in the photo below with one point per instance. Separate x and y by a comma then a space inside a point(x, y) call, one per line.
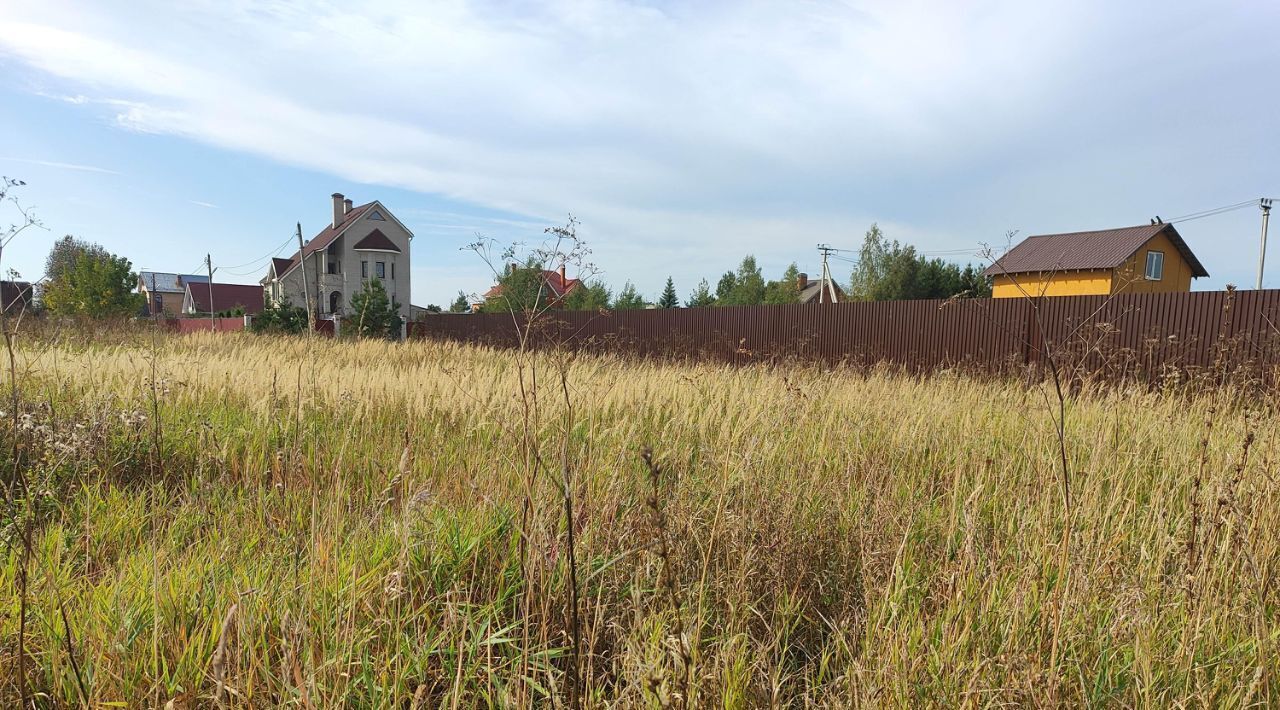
point(218, 664)
point(783, 567)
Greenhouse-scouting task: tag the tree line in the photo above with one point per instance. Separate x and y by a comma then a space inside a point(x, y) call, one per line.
point(85, 279)
point(885, 270)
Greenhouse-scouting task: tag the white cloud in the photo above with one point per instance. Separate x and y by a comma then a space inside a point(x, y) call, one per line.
point(705, 129)
point(61, 166)
point(576, 101)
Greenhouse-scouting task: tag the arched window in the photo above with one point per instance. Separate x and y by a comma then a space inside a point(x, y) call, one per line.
point(335, 302)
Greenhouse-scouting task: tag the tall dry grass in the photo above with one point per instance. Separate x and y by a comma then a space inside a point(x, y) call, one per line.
point(254, 522)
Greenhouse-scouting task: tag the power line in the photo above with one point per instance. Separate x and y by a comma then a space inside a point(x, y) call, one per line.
point(246, 272)
point(276, 252)
point(1212, 212)
point(192, 270)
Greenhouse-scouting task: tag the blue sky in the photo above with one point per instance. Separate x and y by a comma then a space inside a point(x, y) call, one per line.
point(681, 135)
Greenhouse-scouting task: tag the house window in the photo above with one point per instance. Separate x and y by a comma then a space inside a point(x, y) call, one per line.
point(393, 270)
point(333, 266)
point(1155, 265)
point(335, 302)
point(364, 269)
point(380, 269)
point(159, 303)
point(376, 215)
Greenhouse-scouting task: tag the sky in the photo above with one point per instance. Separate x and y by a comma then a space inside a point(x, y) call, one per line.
point(681, 135)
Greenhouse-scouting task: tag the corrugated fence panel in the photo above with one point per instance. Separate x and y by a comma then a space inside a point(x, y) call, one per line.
point(1122, 336)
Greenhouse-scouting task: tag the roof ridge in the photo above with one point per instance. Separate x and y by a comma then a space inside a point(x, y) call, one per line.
point(1087, 250)
point(1099, 231)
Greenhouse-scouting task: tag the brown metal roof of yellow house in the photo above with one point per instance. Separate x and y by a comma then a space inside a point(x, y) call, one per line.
point(1087, 251)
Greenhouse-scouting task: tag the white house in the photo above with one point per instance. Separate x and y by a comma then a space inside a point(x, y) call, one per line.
point(364, 242)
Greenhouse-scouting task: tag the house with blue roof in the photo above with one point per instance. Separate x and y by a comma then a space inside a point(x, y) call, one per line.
point(163, 292)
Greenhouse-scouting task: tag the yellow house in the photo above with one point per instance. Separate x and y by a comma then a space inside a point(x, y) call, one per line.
point(1146, 259)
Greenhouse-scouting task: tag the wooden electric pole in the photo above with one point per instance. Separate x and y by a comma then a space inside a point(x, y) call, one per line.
point(213, 320)
point(306, 290)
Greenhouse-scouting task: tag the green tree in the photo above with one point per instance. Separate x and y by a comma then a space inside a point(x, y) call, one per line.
point(373, 313)
point(461, 304)
point(873, 263)
point(701, 296)
point(63, 254)
point(724, 288)
point(521, 290)
point(84, 279)
point(890, 271)
point(901, 278)
point(786, 289)
point(629, 299)
point(669, 299)
point(973, 284)
point(280, 318)
point(589, 296)
point(748, 286)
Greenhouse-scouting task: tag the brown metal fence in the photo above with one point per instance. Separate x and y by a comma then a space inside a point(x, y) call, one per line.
point(1141, 335)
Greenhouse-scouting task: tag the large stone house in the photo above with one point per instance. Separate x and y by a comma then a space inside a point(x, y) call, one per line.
point(362, 242)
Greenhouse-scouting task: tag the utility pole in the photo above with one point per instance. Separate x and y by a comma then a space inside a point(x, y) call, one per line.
point(213, 321)
point(1265, 204)
point(306, 290)
point(828, 287)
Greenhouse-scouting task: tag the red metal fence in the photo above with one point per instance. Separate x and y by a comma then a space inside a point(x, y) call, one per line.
point(227, 325)
point(196, 325)
point(1126, 335)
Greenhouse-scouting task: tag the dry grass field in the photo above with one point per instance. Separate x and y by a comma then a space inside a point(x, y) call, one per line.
point(253, 522)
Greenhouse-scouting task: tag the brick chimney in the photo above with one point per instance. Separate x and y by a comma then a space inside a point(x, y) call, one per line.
point(337, 209)
point(802, 281)
point(346, 206)
point(563, 280)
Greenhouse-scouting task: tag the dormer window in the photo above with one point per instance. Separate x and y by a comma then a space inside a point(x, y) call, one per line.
point(376, 215)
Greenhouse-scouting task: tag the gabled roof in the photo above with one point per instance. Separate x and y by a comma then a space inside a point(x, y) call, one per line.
point(322, 240)
point(814, 288)
point(1087, 251)
point(167, 283)
point(376, 241)
point(226, 297)
point(557, 286)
